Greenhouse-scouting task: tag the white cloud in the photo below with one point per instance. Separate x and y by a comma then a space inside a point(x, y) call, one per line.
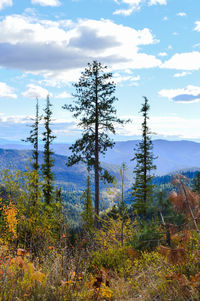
point(134, 5)
point(186, 128)
point(165, 18)
point(128, 71)
point(129, 80)
point(124, 12)
point(196, 45)
point(154, 2)
point(6, 91)
point(187, 95)
point(63, 95)
point(46, 2)
point(184, 61)
point(34, 91)
point(182, 74)
point(15, 119)
point(197, 28)
point(60, 78)
point(162, 54)
point(59, 50)
point(181, 14)
point(4, 3)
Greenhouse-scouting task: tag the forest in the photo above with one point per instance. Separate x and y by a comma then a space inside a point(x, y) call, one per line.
point(59, 245)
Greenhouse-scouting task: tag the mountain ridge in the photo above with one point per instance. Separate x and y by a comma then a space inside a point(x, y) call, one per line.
point(172, 155)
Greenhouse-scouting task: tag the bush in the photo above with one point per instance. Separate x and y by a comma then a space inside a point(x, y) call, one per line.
point(113, 258)
point(147, 237)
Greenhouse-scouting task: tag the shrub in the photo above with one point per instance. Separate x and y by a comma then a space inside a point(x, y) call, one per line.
point(147, 236)
point(114, 258)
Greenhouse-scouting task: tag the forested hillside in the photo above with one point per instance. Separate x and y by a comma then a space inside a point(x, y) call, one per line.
point(172, 156)
point(69, 178)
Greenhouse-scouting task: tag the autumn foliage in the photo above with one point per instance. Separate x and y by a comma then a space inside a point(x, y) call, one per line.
point(39, 260)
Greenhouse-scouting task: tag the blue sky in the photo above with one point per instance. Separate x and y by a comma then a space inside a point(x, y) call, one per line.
point(152, 48)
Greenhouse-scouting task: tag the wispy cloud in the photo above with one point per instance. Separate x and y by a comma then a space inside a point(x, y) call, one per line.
point(182, 74)
point(163, 126)
point(128, 79)
point(181, 14)
point(68, 130)
point(162, 54)
point(46, 2)
point(155, 2)
point(134, 5)
point(63, 95)
point(124, 12)
point(34, 91)
point(4, 3)
point(197, 27)
point(7, 91)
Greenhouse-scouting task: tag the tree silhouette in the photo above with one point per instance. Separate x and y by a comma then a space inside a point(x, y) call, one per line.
point(93, 105)
point(34, 140)
point(48, 138)
point(143, 187)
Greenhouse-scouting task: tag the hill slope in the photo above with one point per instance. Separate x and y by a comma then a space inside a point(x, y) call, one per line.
point(172, 156)
point(70, 178)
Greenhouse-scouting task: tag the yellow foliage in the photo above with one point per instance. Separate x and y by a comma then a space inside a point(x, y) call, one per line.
point(106, 292)
point(111, 233)
point(39, 276)
point(10, 213)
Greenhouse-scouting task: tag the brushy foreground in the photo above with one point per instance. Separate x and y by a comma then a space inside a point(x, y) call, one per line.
point(107, 271)
point(124, 258)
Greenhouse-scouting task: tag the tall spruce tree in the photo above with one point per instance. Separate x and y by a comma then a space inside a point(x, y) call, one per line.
point(48, 138)
point(93, 105)
point(34, 140)
point(143, 187)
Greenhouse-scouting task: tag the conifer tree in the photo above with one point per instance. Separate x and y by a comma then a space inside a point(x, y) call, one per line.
point(88, 212)
point(143, 187)
point(122, 176)
point(48, 138)
point(34, 140)
point(93, 104)
point(123, 210)
point(196, 183)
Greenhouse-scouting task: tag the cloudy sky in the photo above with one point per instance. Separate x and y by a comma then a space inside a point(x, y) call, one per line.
point(152, 48)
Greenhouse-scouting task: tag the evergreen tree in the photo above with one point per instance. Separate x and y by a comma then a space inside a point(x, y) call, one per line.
point(88, 212)
point(94, 99)
point(123, 210)
point(122, 176)
point(143, 187)
point(196, 183)
point(34, 140)
point(47, 173)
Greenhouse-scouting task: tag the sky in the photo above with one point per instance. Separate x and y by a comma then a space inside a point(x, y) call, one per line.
point(152, 48)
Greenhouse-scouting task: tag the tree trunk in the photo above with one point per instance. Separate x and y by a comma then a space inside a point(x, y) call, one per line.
point(96, 167)
point(145, 164)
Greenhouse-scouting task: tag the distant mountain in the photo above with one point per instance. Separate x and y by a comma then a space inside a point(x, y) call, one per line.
point(70, 178)
point(171, 155)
